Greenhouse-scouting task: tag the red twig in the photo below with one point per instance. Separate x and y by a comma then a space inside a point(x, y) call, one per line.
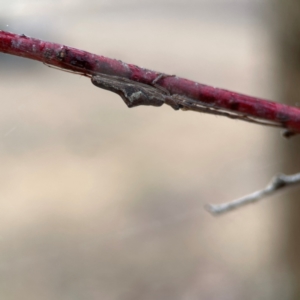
point(214, 99)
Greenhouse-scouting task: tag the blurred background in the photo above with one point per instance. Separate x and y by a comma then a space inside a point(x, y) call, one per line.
point(98, 201)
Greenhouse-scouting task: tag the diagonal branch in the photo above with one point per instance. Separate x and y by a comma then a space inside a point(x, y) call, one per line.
point(278, 182)
point(214, 100)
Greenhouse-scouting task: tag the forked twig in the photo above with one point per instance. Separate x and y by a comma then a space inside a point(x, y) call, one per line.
point(278, 182)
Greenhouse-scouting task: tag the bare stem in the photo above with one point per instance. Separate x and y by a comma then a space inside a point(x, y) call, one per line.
point(278, 182)
point(203, 98)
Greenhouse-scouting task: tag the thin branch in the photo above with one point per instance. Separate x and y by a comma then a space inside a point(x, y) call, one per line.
point(278, 182)
point(217, 100)
point(139, 86)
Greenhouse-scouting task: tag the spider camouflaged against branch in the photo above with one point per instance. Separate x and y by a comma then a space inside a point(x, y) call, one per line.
point(139, 86)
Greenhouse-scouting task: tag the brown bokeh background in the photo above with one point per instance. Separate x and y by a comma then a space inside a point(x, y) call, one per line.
point(98, 201)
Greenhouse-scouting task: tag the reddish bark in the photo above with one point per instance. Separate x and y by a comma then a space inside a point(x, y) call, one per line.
point(89, 64)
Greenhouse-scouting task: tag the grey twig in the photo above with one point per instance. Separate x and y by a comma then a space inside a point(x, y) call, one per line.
point(278, 182)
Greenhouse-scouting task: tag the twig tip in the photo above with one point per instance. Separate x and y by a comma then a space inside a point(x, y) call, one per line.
point(212, 209)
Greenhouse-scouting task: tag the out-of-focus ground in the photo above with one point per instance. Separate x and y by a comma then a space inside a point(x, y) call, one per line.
point(98, 201)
